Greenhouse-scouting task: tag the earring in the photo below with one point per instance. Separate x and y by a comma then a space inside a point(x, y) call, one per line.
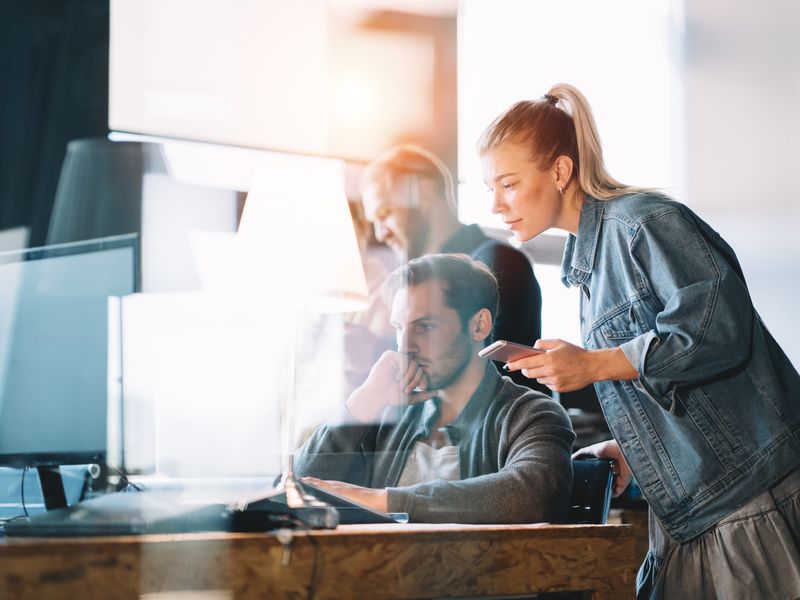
point(561, 191)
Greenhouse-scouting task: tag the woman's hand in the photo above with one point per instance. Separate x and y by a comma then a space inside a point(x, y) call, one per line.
point(610, 449)
point(565, 367)
point(562, 368)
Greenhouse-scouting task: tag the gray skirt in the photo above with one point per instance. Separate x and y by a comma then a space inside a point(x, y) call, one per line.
point(752, 553)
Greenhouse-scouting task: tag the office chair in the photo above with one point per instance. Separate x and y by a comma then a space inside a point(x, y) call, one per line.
point(592, 482)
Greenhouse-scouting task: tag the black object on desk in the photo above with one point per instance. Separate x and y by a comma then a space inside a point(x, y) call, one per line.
point(592, 484)
point(136, 513)
point(124, 514)
point(271, 512)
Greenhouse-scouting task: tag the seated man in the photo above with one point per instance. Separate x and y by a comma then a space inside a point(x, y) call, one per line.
point(435, 431)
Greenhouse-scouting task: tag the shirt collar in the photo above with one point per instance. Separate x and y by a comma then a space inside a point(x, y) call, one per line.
point(474, 413)
point(580, 250)
point(471, 416)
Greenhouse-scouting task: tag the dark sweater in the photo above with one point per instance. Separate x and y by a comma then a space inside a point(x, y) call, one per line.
point(519, 315)
point(519, 308)
point(514, 449)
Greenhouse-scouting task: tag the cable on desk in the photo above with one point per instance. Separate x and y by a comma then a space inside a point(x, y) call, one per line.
point(22, 490)
point(317, 561)
point(316, 566)
point(124, 481)
point(22, 500)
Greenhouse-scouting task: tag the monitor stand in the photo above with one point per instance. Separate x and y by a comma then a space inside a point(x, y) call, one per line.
point(52, 486)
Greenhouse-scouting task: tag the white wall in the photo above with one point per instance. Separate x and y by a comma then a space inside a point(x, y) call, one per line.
point(619, 53)
point(690, 97)
point(742, 95)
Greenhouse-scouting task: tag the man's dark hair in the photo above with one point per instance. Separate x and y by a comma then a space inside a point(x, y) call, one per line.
point(469, 285)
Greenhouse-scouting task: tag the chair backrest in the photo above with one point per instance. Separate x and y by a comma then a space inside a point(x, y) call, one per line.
point(592, 482)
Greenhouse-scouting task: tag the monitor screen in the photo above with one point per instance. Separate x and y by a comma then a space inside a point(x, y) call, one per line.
point(54, 348)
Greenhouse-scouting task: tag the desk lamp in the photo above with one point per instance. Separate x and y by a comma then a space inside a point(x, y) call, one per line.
point(297, 250)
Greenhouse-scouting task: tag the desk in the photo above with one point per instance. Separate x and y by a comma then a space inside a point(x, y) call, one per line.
point(355, 561)
point(636, 518)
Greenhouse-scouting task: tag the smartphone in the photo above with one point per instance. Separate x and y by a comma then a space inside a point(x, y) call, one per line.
point(507, 351)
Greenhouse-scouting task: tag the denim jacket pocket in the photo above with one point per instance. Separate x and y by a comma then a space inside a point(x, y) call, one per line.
point(617, 335)
point(619, 324)
point(698, 403)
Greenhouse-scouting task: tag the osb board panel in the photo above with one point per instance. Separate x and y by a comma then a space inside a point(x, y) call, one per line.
point(351, 562)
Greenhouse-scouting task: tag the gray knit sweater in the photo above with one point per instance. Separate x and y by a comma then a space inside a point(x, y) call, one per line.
point(514, 448)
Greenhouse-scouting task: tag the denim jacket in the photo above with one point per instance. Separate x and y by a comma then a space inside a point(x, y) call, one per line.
point(714, 418)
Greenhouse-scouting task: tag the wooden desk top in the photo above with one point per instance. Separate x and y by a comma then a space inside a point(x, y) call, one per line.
point(353, 561)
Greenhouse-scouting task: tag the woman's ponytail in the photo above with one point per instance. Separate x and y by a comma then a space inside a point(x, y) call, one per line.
point(560, 124)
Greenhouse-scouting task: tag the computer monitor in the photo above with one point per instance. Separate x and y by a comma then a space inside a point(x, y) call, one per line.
point(54, 349)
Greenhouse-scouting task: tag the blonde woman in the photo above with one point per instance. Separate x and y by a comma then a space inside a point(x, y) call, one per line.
point(703, 404)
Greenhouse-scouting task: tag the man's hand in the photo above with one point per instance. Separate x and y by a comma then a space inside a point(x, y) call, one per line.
point(565, 367)
point(395, 380)
point(610, 449)
point(373, 498)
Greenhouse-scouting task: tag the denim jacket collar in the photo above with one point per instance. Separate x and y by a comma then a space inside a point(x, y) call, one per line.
point(579, 252)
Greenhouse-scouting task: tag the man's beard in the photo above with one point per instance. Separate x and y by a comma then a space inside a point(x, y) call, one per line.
point(463, 353)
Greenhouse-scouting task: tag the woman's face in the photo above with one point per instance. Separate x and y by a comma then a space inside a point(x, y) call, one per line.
point(526, 197)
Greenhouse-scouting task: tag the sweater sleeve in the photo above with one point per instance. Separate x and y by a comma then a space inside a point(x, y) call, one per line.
point(532, 485)
point(338, 451)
